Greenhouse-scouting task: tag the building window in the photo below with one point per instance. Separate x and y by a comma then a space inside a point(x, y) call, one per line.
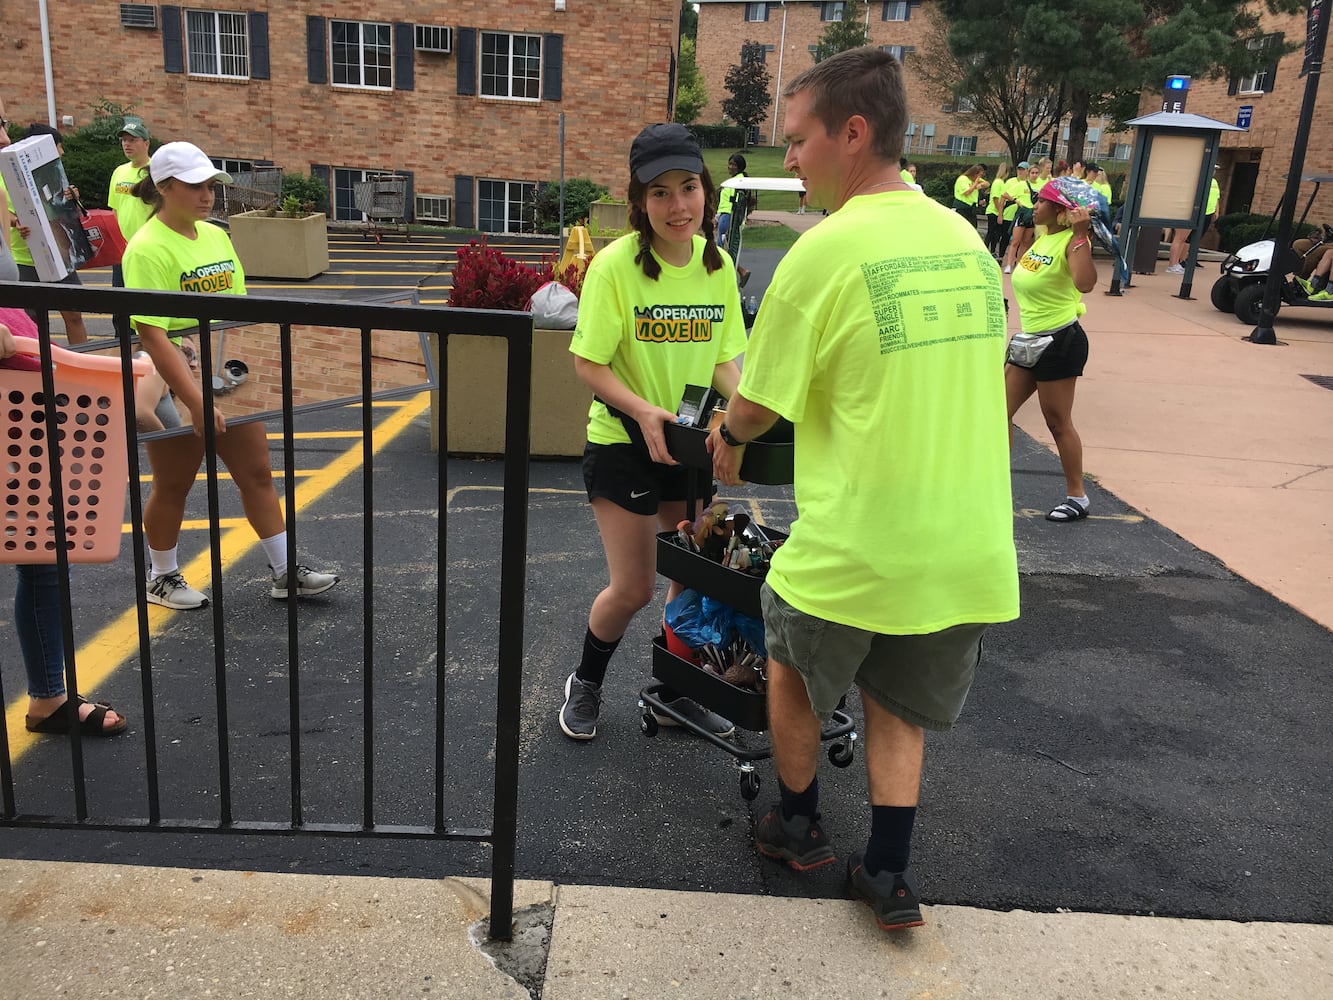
point(233, 167)
point(1122, 151)
point(899, 52)
point(511, 66)
point(961, 145)
point(960, 105)
point(1262, 80)
point(345, 180)
point(362, 54)
point(831, 11)
point(218, 44)
point(895, 12)
point(759, 53)
point(756, 12)
point(506, 206)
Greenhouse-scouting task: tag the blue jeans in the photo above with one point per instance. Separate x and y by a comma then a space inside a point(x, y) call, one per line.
point(37, 620)
point(723, 224)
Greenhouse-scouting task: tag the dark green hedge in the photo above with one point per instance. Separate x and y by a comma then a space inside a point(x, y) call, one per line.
point(718, 136)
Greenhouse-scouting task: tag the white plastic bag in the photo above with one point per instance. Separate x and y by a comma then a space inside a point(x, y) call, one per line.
point(554, 307)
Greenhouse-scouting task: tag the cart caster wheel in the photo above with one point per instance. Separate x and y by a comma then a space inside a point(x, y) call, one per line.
point(648, 724)
point(840, 754)
point(749, 786)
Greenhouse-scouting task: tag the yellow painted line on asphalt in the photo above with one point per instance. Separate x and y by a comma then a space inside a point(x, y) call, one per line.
point(1029, 513)
point(203, 476)
point(316, 435)
point(199, 525)
point(106, 651)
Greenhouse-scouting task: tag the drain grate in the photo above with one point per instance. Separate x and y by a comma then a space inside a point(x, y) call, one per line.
point(1325, 381)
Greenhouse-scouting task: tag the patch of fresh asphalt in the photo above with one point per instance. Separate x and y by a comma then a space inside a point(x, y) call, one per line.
point(1149, 737)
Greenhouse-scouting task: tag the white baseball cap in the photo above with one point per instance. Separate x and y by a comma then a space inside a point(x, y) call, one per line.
point(185, 162)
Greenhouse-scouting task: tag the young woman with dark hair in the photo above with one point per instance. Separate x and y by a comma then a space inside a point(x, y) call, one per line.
point(660, 310)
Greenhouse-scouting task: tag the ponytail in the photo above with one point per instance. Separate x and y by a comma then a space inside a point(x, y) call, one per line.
point(146, 191)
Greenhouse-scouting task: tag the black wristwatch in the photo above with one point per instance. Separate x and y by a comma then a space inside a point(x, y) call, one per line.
point(728, 437)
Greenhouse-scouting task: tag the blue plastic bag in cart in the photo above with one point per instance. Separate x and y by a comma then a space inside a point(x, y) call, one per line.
point(700, 621)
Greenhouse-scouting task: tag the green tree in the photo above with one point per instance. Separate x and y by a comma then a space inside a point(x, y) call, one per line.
point(839, 36)
point(689, 20)
point(988, 84)
point(747, 82)
point(690, 93)
point(1101, 55)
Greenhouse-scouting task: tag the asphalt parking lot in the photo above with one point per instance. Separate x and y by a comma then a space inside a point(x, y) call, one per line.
point(1148, 738)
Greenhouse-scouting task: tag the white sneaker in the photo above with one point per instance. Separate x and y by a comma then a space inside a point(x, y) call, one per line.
point(171, 591)
point(308, 583)
point(1008, 269)
point(1175, 269)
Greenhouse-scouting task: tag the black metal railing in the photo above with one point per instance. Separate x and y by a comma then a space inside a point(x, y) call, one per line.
point(516, 330)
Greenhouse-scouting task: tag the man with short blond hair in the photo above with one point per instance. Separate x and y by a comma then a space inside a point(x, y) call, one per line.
point(882, 339)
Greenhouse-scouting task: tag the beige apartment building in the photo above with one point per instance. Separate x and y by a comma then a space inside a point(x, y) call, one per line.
point(463, 98)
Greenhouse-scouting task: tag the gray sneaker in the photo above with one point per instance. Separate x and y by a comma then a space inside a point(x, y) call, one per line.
point(891, 896)
point(308, 583)
point(708, 721)
point(171, 591)
point(583, 703)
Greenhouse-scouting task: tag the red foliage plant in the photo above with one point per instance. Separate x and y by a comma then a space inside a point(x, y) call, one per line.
point(571, 277)
point(485, 278)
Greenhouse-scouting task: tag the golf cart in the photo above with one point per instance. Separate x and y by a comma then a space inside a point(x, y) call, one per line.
point(1240, 289)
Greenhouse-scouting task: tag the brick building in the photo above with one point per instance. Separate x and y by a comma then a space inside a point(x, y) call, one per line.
point(464, 98)
point(794, 26)
point(1254, 163)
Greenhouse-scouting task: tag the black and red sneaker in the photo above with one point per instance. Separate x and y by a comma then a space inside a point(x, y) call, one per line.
point(890, 895)
point(798, 841)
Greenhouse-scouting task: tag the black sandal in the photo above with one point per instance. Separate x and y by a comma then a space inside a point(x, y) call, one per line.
point(57, 723)
point(1067, 510)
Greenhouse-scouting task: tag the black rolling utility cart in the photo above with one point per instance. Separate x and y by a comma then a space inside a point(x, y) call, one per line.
point(767, 462)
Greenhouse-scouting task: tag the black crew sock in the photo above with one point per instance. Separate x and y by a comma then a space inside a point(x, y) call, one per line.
point(890, 844)
point(804, 803)
point(1318, 282)
point(596, 655)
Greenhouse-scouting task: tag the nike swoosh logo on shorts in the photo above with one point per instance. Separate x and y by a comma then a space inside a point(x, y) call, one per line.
point(641, 493)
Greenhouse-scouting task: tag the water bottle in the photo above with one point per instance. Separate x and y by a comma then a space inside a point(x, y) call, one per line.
point(752, 305)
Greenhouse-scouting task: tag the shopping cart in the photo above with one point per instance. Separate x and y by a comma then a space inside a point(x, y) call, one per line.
point(382, 198)
point(250, 191)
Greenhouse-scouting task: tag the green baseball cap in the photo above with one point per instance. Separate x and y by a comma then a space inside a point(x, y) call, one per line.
point(134, 126)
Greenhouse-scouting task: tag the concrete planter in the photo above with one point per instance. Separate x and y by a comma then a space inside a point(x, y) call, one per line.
point(475, 397)
point(609, 216)
point(278, 247)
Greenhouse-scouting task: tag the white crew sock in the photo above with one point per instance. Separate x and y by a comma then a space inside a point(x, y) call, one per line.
point(276, 550)
point(164, 562)
point(1082, 501)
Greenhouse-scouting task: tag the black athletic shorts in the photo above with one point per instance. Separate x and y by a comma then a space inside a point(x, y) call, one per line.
point(1065, 357)
point(628, 478)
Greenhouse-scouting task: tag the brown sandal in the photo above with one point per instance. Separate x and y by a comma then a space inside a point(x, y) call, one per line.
point(57, 723)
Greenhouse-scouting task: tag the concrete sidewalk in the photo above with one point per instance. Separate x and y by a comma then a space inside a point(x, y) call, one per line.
point(104, 931)
point(1220, 440)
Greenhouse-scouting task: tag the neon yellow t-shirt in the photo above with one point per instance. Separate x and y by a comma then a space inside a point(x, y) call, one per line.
point(994, 193)
point(960, 187)
point(18, 246)
point(1043, 286)
point(657, 336)
point(726, 198)
point(907, 177)
point(1214, 195)
point(1105, 189)
point(1019, 189)
point(131, 212)
point(160, 258)
point(888, 357)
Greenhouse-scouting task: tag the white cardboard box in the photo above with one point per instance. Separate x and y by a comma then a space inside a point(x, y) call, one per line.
point(36, 182)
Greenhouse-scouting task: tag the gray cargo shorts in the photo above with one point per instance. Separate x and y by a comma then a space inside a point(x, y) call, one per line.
point(922, 679)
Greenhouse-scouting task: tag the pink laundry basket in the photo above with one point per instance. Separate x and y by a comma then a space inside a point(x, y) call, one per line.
point(94, 466)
